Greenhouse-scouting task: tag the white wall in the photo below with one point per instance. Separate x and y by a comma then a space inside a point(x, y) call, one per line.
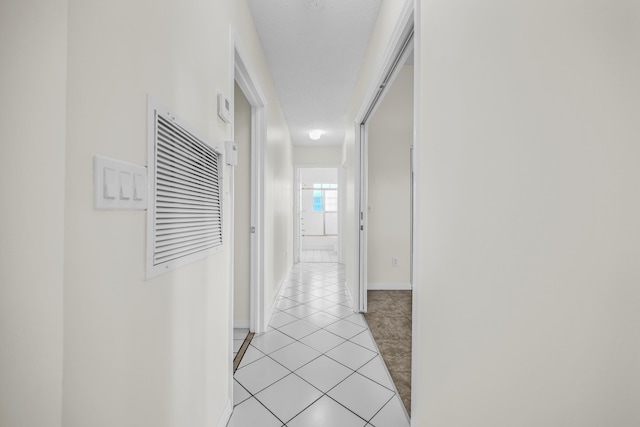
point(310, 176)
point(33, 47)
point(136, 352)
point(529, 214)
point(390, 136)
point(242, 210)
point(325, 155)
point(279, 212)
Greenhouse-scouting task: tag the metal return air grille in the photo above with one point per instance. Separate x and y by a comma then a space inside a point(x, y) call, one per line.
point(187, 203)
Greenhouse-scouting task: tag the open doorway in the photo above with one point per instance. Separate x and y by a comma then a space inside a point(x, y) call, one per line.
point(384, 131)
point(251, 134)
point(317, 214)
point(242, 326)
point(389, 247)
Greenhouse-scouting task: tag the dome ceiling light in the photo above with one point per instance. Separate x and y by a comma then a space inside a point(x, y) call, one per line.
point(315, 134)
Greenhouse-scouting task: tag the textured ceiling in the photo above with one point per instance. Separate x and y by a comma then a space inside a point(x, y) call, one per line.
point(314, 49)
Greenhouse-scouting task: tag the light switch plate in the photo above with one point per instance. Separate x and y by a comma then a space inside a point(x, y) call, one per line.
point(119, 185)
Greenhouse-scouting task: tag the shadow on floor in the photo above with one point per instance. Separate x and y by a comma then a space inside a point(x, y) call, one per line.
point(389, 318)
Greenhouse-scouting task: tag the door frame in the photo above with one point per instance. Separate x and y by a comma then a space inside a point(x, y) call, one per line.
point(246, 79)
point(296, 208)
point(242, 73)
point(397, 50)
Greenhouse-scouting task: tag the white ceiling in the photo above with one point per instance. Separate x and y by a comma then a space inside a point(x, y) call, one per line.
point(314, 49)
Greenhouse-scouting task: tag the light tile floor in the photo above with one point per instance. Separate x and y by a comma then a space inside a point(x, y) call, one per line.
point(318, 255)
point(317, 365)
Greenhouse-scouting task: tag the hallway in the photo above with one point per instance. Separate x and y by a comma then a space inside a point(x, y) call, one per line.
point(318, 255)
point(317, 365)
point(526, 239)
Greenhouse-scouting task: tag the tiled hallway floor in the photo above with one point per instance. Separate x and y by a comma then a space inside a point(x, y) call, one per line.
point(317, 365)
point(318, 255)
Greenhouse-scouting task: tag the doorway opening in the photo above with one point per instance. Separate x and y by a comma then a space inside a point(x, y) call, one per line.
point(384, 186)
point(318, 207)
point(389, 285)
point(246, 238)
point(242, 327)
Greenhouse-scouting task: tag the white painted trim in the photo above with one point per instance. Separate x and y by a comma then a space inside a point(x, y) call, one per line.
point(297, 238)
point(389, 286)
point(241, 72)
point(342, 212)
point(417, 147)
point(241, 324)
point(249, 83)
point(229, 405)
point(274, 305)
point(225, 416)
point(362, 166)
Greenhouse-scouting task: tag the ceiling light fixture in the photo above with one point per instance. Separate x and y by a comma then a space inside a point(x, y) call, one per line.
point(315, 134)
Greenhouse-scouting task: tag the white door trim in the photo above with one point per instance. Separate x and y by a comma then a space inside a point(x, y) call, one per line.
point(415, 217)
point(250, 86)
point(362, 179)
point(242, 73)
point(296, 215)
point(342, 208)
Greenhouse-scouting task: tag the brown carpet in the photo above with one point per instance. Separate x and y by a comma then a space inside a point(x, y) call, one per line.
point(389, 318)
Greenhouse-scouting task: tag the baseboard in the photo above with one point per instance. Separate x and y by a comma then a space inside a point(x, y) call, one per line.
point(274, 303)
point(389, 286)
point(268, 314)
point(226, 414)
point(241, 324)
point(351, 304)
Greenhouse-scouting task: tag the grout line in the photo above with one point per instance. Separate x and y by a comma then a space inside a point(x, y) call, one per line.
point(265, 407)
point(381, 408)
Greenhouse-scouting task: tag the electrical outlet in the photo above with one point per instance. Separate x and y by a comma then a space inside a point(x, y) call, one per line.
point(394, 262)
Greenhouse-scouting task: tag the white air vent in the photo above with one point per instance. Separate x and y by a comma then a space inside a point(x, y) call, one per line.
point(185, 209)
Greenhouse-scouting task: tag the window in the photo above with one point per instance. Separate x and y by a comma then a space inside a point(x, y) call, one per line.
point(319, 208)
point(325, 200)
point(331, 201)
point(318, 200)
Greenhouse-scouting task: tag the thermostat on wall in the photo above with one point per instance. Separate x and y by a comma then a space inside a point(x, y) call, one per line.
point(224, 108)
